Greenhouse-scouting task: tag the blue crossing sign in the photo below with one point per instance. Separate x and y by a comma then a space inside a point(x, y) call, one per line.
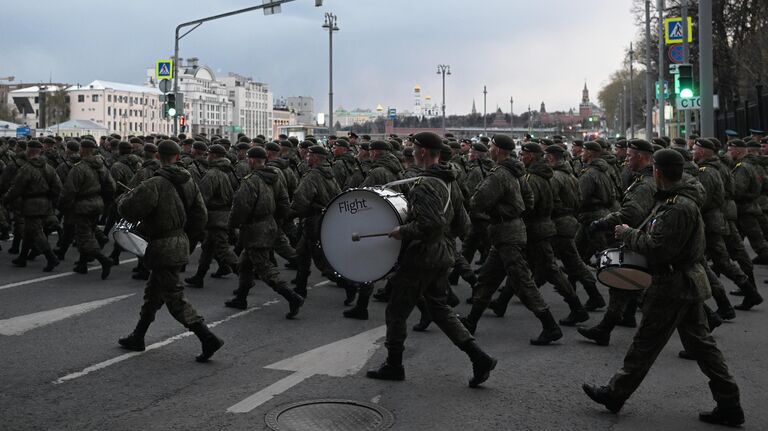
point(164, 69)
point(673, 30)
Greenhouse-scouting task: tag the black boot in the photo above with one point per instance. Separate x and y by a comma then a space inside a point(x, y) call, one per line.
point(197, 280)
point(135, 341)
point(383, 294)
point(577, 315)
point(452, 299)
point(33, 253)
point(15, 245)
point(470, 321)
point(684, 354)
point(81, 266)
point(600, 333)
point(239, 302)
point(629, 320)
point(595, 301)
point(453, 277)
point(392, 369)
point(295, 301)
point(550, 331)
point(713, 319)
point(424, 323)
point(751, 297)
point(499, 305)
point(20, 261)
point(602, 395)
point(301, 283)
point(106, 265)
point(222, 272)
point(482, 363)
point(115, 255)
point(351, 291)
point(728, 416)
point(356, 313)
point(210, 342)
point(52, 261)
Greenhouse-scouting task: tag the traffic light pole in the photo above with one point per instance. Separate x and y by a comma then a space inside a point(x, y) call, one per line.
point(706, 86)
point(684, 15)
point(662, 101)
point(197, 23)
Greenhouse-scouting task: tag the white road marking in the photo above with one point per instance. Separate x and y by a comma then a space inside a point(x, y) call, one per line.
point(54, 276)
point(21, 324)
point(322, 283)
point(338, 359)
point(376, 399)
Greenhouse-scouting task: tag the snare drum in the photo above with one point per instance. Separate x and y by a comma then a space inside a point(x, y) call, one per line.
point(362, 211)
point(623, 269)
point(127, 236)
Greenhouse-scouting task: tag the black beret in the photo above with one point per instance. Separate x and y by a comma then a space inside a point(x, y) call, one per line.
point(578, 143)
point(175, 139)
point(554, 149)
point(408, 153)
point(318, 149)
point(687, 156)
point(657, 147)
point(667, 157)
point(273, 146)
point(449, 135)
point(333, 137)
point(223, 141)
point(352, 135)
point(48, 140)
point(34, 143)
point(293, 140)
point(200, 146)
point(641, 145)
point(257, 153)
point(365, 146)
point(622, 143)
point(243, 145)
point(481, 147)
point(150, 148)
point(123, 145)
point(88, 143)
point(312, 139)
point(660, 142)
point(286, 143)
point(486, 140)
point(454, 144)
point(738, 143)
point(594, 146)
point(666, 139)
point(429, 140)
point(367, 137)
point(168, 148)
point(282, 136)
point(547, 142)
point(680, 141)
point(188, 141)
point(306, 144)
point(532, 148)
point(134, 140)
point(753, 144)
point(244, 138)
point(258, 140)
point(505, 142)
point(341, 143)
point(217, 149)
point(74, 146)
point(705, 143)
point(380, 145)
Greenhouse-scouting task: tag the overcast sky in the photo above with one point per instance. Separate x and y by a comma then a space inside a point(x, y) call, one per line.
point(534, 51)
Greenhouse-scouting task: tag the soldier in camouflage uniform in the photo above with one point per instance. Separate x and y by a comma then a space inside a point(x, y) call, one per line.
point(477, 239)
point(218, 188)
point(748, 184)
point(16, 161)
point(431, 215)
point(346, 168)
point(197, 164)
point(674, 244)
point(82, 199)
point(261, 199)
point(122, 171)
point(35, 189)
point(167, 205)
point(67, 234)
point(291, 183)
point(241, 167)
point(597, 198)
point(576, 163)
point(501, 196)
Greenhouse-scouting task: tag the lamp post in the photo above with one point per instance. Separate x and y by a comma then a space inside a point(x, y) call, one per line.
point(443, 69)
point(511, 114)
point(631, 89)
point(485, 114)
point(330, 25)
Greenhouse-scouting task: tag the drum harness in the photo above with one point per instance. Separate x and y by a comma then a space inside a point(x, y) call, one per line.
point(448, 187)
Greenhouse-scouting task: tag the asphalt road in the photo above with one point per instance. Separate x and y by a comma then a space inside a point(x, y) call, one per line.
point(62, 368)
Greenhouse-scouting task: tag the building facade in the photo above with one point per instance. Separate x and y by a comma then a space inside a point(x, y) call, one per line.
point(281, 117)
point(304, 107)
point(252, 105)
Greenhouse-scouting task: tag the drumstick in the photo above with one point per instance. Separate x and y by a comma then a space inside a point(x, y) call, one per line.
point(126, 187)
point(357, 237)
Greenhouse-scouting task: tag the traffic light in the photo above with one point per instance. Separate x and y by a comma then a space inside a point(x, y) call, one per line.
point(685, 78)
point(170, 105)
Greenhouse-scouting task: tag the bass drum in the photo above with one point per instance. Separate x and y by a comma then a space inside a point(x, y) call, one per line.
point(127, 236)
point(623, 269)
point(362, 211)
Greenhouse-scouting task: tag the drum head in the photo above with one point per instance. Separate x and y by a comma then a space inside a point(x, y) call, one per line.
point(131, 242)
point(362, 211)
point(625, 278)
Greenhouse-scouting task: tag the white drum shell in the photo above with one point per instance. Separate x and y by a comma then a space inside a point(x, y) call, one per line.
point(621, 268)
point(362, 211)
point(127, 236)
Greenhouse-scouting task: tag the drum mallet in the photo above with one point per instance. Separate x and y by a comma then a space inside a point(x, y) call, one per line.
point(357, 237)
point(124, 186)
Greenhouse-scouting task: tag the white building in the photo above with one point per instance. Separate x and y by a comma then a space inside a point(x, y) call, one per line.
point(282, 117)
point(252, 105)
point(27, 102)
point(304, 107)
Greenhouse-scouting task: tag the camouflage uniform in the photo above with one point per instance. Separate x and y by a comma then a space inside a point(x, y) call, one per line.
point(384, 170)
point(734, 243)
point(597, 197)
point(347, 171)
point(477, 239)
point(748, 186)
point(15, 163)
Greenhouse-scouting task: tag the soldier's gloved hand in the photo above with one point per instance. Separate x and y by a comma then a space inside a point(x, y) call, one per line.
point(598, 226)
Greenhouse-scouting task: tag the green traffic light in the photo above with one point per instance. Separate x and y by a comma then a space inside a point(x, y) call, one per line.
point(171, 112)
point(686, 93)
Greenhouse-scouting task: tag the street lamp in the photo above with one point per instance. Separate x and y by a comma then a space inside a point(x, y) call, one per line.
point(443, 69)
point(330, 25)
point(631, 85)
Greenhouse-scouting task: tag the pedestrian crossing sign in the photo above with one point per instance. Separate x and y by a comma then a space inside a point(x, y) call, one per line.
point(673, 30)
point(164, 69)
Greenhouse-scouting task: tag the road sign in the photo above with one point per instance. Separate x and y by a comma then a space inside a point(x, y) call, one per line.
point(693, 103)
point(673, 30)
point(666, 89)
point(164, 69)
point(392, 113)
point(22, 132)
point(165, 86)
point(675, 53)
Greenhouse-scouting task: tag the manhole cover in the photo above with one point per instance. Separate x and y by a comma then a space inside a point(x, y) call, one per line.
point(331, 415)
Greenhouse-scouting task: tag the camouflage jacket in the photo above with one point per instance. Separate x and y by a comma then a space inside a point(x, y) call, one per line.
point(712, 208)
point(501, 197)
point(384, 170)
point(747, 186)
point(597, 190)
point(347, 171)
point(253, 209)
point(638, 201)
point(147, 170)
point(565, 200)
point(218, 188)
point(66, 165)
point(538, 219)
point(316, 190)
point(122, 171)
point(37, 186)
point(87, 184)
point(291, 181)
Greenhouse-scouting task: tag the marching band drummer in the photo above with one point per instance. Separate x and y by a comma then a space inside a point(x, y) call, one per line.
point(674, 243)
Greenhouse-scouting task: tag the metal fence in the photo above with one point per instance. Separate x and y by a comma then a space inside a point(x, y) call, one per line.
point(741, 116)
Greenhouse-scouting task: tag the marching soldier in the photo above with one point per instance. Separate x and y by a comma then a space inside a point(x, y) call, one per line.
point(122, 171)
point(597, 198)
point(748, 186)
point(477, 239)
point(346, 168)
point(149, 166)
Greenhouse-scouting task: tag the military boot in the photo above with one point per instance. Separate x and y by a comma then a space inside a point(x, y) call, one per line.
point(15, 245)
point(222, 272)
point(732, 416)
point(600, 333)
point(360, 310)
point(453, 277)
point(550, 331)
point(295, 301)
point(81, 266)
point(470, 321)
point(602, 395)
point(301, 283)
point(20, 261)
point(595, 301)
point(629, 320)
point(751, 297)
point(239, 302)
point(106, 265)
point(499, 305)
point(33, 253)
point(452, 300)
point(51, 261)
point(351, 292)
point(197, 280)
point(392, 369)
point(577, 315)
point(424, 322)
point(115, 255)
point(383, 294)
point(482, 363)
point(713, 319)
point(210, 342)
point(135, 341)
point(469, 276)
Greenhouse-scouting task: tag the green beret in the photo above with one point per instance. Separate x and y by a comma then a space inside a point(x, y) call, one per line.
point(306, 144)
point(738, 143)
point(641, 145)
point(593, 146)
point(318, 149)
point(73, 146)
point(34, 143)
point(547, 142)
point(505, 142)
point(481, 147)
point(282, 136)
point(150, 148)
point(48, 140)
point(188, 141)
point(667, 157)
point(88, 143)
point(293, 140)
point(123, 145)
point(217, 149)
point(167, 147)
point(257, 153)
point(429, 140)
point(200, 146)
point(223, 142)
point(532, 148)
point(657, 147)
point(244, 138)
point(312, 139)
point(341, 143)
point(272, 146)
point(243, 145)
point(258, 141)
point(554, 149)
point(396, 144)
point(445, 151)
point(680, 142)
point(380, 145)
point(705, 143)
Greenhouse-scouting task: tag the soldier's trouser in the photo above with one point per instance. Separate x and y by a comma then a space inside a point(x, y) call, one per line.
point(67, 233)
point(590, 243)
point(618, 301)
point(749, 227)
point(18, 224)
point(718, 291)
point(477, 240)
point(307, 250)
point(507, 260)
point(734, 243)
point(256, 261)
point(661, 317)
point(541, 256)
point(565, 250)
point(283, 246)
point(34, 235)
point(85, 234)
point(407, 288)
point(163, 287)
point(762, 220)
point(216, 245)
point(5, 223)
point(721, 260)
